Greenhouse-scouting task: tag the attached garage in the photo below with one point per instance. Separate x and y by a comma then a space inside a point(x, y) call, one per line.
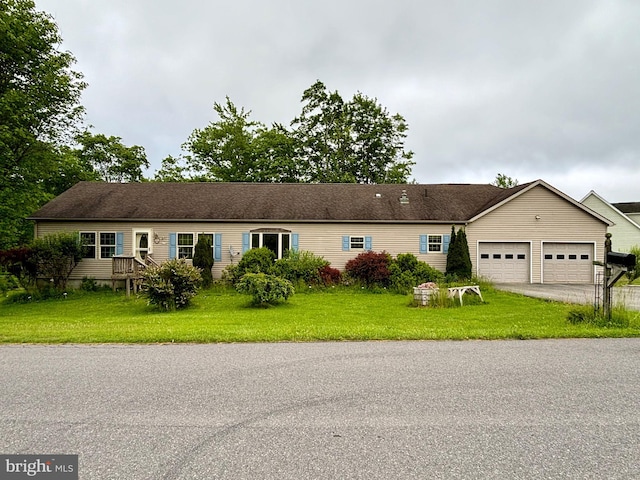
point(567, 262)
point(505, 262)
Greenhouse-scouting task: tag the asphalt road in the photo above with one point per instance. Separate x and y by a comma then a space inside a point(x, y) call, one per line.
point(376, 410)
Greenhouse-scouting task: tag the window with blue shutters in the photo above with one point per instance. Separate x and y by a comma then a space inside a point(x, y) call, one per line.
point(434, 243)
point(354, 242)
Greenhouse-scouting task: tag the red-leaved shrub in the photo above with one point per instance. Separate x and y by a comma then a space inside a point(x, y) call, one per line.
point(329, 275)
point(372, 268)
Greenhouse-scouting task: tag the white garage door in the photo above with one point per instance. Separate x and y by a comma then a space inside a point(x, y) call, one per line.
point(567, 263)
point(504, 262)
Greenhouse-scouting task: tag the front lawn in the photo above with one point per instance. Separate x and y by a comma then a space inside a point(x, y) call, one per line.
point(221, 315)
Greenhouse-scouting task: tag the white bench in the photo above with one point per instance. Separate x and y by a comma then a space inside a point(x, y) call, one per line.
point(460, 291)
point(423, 295)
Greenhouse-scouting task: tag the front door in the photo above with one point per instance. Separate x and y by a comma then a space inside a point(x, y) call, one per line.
point(142, 243)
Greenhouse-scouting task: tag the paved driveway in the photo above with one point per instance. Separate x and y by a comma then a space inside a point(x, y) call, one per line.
point(573, 293)
point(557, 409)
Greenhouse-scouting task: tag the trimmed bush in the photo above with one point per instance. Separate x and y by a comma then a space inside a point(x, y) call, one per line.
point(203, 259)
point(265, 289)
point(300, 267)
point(371, 268)
point(172, 285)
point(256, 260)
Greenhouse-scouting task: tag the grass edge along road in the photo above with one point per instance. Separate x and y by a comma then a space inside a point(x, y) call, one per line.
point(222, 315)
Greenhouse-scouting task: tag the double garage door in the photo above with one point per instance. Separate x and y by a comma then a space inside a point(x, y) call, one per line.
point(510, 262)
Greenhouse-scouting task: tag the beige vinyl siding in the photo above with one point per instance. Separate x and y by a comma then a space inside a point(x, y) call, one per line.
point(320, 238)
point(624, 234)
point(635, 217)
point(559, 221)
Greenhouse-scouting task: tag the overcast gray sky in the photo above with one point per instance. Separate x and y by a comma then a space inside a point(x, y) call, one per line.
point(533, 89)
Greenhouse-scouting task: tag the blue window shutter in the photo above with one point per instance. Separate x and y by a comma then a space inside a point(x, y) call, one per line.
point(172, 246)
point(368, 243)
point(446, 239)
point(345, 243)
point(217, 247)
point(423, 244)
point(119, 243)
point(294, 242)
point(245, 242)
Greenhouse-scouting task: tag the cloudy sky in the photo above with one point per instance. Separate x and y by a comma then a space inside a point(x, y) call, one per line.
point(544, 89)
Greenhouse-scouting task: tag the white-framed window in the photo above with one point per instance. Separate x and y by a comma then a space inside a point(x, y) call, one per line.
point(88, 241)
point(107, 244)
point(356, 243)
point(208, 235)
point(435, 243)
point(277, 242)
point(185, 245)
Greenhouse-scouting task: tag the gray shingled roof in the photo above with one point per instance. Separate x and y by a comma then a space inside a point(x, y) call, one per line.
point(272, 202)
point(628, 207)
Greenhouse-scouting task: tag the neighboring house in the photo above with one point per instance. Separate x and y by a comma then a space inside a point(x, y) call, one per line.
point(528, 233)
point(625, 230)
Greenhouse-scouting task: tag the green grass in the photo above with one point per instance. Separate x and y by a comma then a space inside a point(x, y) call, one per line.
point(341, 314)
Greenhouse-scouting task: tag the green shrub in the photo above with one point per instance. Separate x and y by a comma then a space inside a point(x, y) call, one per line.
point(371, 268)
point(89, 284)
point(256, 260)
point(265, 289)
point(300, 267)
point(203, 259)
point(172, 285)
point(407, 272)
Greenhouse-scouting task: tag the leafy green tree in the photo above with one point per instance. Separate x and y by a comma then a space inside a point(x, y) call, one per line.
point(39, 110)
point(223, 150)
point(331, 141)
point(203, 259)
point(275, 156)
point(355, 142)
point(110, 159)
point(503, 181)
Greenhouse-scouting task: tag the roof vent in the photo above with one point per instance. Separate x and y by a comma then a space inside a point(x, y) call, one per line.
point(404, 200)
point(378, 195)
